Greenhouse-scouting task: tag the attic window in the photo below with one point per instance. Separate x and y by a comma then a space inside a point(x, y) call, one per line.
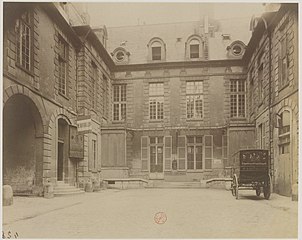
point(120, 55)
point(226, 37)
point(237, 49)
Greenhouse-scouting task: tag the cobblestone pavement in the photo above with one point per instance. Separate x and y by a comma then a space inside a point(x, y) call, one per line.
point(191, 213)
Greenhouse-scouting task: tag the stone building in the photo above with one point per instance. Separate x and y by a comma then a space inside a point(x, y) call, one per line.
point(272, 69)
point(179, 99)
point(163, 101)
point(49, 88)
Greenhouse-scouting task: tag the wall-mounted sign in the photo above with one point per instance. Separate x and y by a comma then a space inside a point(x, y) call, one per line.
point(76, 143)
point(84, 126)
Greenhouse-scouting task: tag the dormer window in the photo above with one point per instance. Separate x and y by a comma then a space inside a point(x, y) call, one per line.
point(157, 49)
point(236, 49)
point(194, 48)
point(156, 53)
point(120, 55)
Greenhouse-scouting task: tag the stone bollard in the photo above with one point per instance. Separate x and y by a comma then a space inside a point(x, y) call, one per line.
point(228, 185)
point(96, 186)
point(88, 187)
point(48, 190)
point(7, 198)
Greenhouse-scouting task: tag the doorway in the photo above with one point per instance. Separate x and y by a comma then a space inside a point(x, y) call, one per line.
point(156, 158)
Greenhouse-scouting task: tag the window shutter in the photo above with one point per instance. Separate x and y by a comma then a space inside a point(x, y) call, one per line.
point(168, 153)
point(181, 152)
point(208, 139)
point(145, 153)
point(90, 157)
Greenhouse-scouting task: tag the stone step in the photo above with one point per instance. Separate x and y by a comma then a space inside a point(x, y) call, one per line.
point(62, 194)
point(164, 184)
point(64, 189)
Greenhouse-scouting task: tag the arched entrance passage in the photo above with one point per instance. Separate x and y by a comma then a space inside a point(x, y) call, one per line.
point(22, 145)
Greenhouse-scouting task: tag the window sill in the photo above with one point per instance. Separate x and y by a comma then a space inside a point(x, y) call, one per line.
point(118, 121)
point(199, 171)
point(156, 121)
point(195, 120)
point(238, 118)
point(283, 87)
point(29, 72)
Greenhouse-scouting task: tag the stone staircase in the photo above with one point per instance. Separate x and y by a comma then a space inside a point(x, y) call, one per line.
point(166, 184)
point(64, 189)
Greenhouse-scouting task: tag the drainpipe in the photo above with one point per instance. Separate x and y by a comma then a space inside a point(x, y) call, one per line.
point(270, 103)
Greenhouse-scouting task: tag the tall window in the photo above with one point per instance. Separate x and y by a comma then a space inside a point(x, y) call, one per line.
point(93, 163)
point(105, 96)
point(194, 152)
point(94, 78)
point(284, 133)
point(260, 78)
point(23, 43)
point(194, 92)
point(63, 60)
point(283, 62)
point(237, 98)
point(156, 101)
point(119, 102)
point(156, 154)
point(261, 135)
point(94, 152)
point(194, 49)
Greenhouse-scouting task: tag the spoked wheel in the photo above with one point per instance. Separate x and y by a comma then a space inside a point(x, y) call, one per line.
point(258, 191)
point(235, 186)
point(267, 188)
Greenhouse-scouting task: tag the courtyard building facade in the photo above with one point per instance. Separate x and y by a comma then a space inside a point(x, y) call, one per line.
point(169, 102)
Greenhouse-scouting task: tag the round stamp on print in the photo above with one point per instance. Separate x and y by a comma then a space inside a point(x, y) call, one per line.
point(160, 218)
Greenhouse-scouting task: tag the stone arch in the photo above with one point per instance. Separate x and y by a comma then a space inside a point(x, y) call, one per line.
point(23, 140)
point(287, 162)
point(18, 89)
point(53, 131)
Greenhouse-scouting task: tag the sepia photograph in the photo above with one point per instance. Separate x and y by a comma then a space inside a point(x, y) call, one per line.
point(150, 120)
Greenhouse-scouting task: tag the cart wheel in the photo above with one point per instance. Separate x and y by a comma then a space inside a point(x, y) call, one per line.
point(258, 192)
point(235, 186)
point(267, 188)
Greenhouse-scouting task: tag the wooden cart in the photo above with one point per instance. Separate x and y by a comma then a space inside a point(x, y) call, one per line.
point(251, 170)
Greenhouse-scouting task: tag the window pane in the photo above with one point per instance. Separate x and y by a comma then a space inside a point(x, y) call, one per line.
point(241, 105)
point(198, 108)
point(233, 86)
point(123, 93)
point(156, 53)
point(194, 51)
point(233, 106)
point(156, 89)
point(123, 111)
point(152, 140)
point(241, 86)
point(116, 93)
point(116, 112)
point(152, 108)
point(190, 139)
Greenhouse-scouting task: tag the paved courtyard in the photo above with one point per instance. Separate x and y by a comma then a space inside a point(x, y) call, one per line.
point(191, 213)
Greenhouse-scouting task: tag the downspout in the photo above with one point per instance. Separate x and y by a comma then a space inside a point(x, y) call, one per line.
point(270, 104)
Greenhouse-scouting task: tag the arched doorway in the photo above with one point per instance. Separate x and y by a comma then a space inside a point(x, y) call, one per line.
point(22, 145)
point(66, 168)
point(62, 153)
